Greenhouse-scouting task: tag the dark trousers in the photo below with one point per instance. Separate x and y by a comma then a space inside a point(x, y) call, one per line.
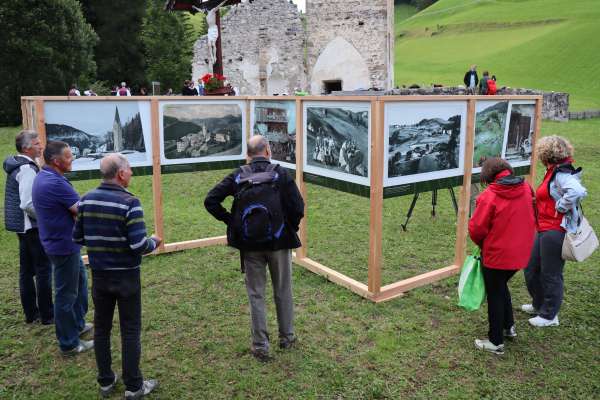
point(124, 290)
point(36, 297)
point(544, 273)
point(70, 298)
point(500, 313)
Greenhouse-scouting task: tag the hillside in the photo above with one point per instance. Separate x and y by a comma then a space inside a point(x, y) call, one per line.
point(545, 44)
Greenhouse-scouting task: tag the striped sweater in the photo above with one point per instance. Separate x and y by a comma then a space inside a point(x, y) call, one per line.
point(110, 222)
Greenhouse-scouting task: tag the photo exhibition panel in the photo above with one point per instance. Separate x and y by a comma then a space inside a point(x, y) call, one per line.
point(276, 120)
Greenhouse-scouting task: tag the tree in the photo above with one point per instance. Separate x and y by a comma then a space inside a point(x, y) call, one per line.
point(119, 53)
point(45, 46)
point(168, 45)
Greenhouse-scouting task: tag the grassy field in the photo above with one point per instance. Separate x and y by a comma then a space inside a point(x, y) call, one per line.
point(196, 321)
point(542, 44)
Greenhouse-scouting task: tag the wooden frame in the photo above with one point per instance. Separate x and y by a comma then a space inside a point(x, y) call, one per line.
point(373, 289)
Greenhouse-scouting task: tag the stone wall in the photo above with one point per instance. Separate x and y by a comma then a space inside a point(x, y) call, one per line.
point(349, 40)
point(263, 48)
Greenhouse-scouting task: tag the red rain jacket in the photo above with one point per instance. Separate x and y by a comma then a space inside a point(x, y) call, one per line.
point(503, 224)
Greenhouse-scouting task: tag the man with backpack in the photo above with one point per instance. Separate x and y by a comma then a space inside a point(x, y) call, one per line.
point(262, 224)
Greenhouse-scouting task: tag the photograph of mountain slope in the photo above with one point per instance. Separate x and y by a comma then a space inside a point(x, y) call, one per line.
point(200, 131)
point(425, 141)
point(94, 129)
point(490, 127)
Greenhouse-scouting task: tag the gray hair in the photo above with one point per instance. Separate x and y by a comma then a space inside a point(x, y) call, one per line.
point(24, 139)
point(111, 164)
point(257, 146)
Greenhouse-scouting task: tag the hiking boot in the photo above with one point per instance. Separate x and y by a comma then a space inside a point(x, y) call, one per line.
point(86, 328)
point(543, 322)
point(83, 346)
point(485, 344)
point(261, 355)
point(510, 333)
point(288, 344)
point(146, 388)
point(106, 391)
point(529, 309)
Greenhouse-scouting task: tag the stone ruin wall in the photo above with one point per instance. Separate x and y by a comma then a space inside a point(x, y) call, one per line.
point(263, 48)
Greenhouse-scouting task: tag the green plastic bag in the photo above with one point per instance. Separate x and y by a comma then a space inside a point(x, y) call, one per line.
point(471, 289)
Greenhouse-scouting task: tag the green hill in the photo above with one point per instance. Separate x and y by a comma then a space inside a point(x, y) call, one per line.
point(543, 44)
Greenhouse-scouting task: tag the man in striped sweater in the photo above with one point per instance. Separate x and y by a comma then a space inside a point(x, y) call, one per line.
point(110, 222)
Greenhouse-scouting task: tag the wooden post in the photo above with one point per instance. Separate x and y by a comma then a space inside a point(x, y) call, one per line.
point(40, 122)
point(156, 175)
point(536, 136)
point(249, 127)
point(376, 197)
point(301, 252)
point(24, 119)
point(462, 223)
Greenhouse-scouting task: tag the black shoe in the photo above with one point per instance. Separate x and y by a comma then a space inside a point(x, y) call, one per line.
point(107, 390)
point(34, 320)
point(288, 344)
point(261, 355)
point(48, 322)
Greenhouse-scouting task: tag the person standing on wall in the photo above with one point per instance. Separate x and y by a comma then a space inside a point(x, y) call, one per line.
point(262, 224)
point(110, 222)
point(503, 226)
point(471, 80)
point(483, 83)
point(123, 90)
point(55, 202)
point(20, 217)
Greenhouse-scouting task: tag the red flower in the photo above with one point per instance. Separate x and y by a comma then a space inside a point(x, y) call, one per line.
point(206, 78)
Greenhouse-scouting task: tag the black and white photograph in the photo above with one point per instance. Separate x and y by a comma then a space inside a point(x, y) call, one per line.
point(96, 128)
point(490, 130)
point(194, 132)
point(519, 139)
point(425, 141)
point(276, 120)
point(337, 140)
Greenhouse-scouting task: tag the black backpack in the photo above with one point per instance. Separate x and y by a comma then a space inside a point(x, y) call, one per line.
point(258, 218)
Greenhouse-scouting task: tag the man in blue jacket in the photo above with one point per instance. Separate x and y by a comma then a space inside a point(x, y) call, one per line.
point(20, 217)
point(110, 222)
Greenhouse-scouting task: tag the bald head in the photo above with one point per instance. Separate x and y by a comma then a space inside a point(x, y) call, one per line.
point(111, 166)
point(258, 146)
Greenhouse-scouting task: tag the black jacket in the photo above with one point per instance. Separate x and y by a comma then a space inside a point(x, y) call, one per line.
point(291, 200)
point(467, 78)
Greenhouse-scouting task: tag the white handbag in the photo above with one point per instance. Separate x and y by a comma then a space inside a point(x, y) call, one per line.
point(580, 245)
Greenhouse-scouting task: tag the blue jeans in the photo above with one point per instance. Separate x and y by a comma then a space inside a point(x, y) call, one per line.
point(70, 298)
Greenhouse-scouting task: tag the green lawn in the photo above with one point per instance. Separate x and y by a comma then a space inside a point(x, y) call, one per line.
point(196, 323)
point(542, 44)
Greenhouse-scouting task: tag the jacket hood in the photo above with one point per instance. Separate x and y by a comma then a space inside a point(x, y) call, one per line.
point(507, 186)
point(13, 162)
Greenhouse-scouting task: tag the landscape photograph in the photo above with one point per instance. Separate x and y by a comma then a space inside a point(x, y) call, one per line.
point(490, 127)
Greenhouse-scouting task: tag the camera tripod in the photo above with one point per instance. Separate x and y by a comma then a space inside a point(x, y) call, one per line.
point(434, 194)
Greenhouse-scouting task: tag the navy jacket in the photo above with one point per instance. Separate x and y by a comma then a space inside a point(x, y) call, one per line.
point(14, 216)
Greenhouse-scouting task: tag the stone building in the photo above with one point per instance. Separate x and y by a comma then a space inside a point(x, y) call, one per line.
point(341, 45)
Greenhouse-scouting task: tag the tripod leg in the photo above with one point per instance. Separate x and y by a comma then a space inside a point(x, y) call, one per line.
point(453, 197)
point(410, 211)
point(433, 202)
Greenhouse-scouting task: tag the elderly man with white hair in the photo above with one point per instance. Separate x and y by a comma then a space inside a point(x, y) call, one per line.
point(110, 222)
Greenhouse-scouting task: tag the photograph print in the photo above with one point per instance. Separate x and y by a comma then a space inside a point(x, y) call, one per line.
point(490, 129)
point(425, 141)
point(276, 120)
point(193, 132)
point(337, 140)
point(519, 139)
point(96, 128)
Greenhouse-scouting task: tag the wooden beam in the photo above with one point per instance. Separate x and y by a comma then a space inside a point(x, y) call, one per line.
point(464, 201)
point(394, 290)
point(335, 277)
point(536, 135)
point(40, 122)
point(159, 226)
point(302, 252)
point(376, 198)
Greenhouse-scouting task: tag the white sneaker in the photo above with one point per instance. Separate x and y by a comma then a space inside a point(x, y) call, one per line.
point(106, 391)
point(485, 344)
point(529, 309)
point(83, 346)
point(86, 328)
point(147, 387)
point(510, 333)
point(543, 322)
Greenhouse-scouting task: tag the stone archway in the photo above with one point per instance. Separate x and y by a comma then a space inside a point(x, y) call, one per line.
point(340, 61)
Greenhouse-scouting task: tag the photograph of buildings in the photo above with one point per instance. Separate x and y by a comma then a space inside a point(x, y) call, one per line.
point(490, 129)
point(425, 140)
point(94, 129)
point(276, 120)
point(201, 131)
point(338, 140)
point(520, 134)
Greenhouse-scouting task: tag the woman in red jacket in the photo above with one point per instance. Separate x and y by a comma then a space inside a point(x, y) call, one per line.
point(503, 226)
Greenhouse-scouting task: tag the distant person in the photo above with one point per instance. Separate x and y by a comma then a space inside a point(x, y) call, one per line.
point(143, 91)
point(55, 202)
point(558, 207)
point(20, 217)
point(89, 92)
point(188, 88)
point(123, 90)
point(492, 89)
point(110, 222)
point(503, 226)
point(74, 91)
point(483, 83)
point(169, 92)
point(113, 91)
point(200, 87)
point(262, 224)
point(471, 79)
